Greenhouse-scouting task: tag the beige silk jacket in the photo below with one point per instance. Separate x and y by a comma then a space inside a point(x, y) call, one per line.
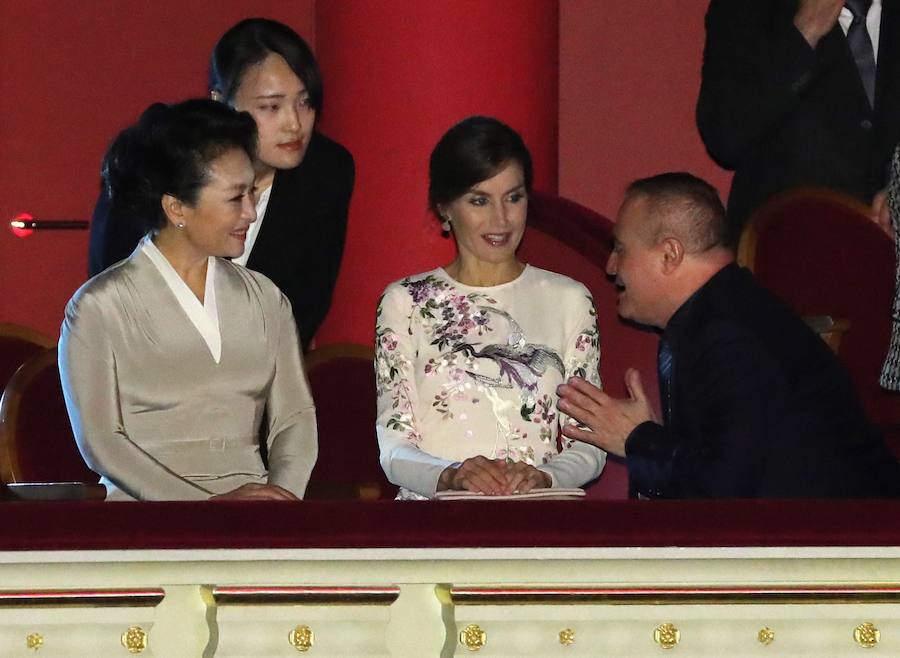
point(152, 411)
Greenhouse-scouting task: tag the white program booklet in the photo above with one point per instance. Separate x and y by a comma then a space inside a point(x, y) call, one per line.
point(534, 494)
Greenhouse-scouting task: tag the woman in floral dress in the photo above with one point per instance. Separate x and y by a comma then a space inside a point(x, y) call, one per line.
point(468, 356)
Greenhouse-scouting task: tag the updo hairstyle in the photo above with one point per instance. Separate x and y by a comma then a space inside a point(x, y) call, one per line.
point(168, 151)
point(249, 43)
point(474, 150)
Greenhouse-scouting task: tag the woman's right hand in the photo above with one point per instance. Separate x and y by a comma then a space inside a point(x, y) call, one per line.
point(478, 474)
point(253, 491)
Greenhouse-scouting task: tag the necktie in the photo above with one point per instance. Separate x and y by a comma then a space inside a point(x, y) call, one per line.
point(861, 45)
point(664, 368)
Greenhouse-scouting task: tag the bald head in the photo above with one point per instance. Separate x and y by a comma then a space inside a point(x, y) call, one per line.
point(683, 207)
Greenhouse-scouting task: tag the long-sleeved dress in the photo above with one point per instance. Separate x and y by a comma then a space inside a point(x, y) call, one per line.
point(165, 412)
point(464, 371)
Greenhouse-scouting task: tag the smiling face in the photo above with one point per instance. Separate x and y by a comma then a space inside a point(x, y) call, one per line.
point(216, 225)
point(636, 263)
point(489, 219)
point(277, 99)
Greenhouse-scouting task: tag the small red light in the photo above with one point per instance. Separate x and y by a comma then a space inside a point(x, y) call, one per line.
point(19, 231)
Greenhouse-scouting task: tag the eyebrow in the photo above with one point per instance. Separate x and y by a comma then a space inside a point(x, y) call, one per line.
point(475, 190)
point(279, 95)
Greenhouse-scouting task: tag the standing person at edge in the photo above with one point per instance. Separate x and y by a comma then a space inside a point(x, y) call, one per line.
point(754, 403)
point(801, 93)
point(304, 180)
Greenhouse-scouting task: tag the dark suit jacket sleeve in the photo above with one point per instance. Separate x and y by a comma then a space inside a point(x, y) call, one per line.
point(728, 388)
point(112, 238)
point(311, 288)
point(756, 65)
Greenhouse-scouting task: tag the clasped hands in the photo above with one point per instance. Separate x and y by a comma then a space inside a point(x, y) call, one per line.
point(254, 491)
point(493, 477)
point(609, 421)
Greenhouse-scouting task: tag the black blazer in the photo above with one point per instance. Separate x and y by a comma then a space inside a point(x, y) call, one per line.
point(760, 407)
point(300, 242)
point(782, 115)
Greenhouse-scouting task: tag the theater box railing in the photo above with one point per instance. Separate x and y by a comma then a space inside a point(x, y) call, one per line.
point(540, 578)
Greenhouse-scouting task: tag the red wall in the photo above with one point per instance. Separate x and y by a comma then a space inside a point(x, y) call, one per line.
point(73, 74)
point(629, 77)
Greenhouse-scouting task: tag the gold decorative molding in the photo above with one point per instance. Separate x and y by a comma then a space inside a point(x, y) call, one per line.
point(135, 639)
point(305, 595)
point(302, 638)
point(472, 637)
point(34, 641)
point(866, 635)
point(666, 635)
point(673, 595)
point(567, 637)
point(766, 636)
point(95, 598)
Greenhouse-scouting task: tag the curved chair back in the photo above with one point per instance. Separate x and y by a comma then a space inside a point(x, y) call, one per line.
point(342, 380)
point(36, 440)
point(819, 251)
point(568, 238)
point(18, 343)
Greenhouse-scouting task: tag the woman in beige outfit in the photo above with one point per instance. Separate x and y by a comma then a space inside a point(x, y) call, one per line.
point(172, 359)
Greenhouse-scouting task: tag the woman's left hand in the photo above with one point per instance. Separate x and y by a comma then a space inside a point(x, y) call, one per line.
point(522, 478)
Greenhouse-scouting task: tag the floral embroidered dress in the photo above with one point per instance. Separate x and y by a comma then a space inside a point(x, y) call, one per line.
point(464, 371)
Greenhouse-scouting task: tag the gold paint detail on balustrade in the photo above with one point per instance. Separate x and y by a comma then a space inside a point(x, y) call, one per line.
point(135, 639)
point(472, 637)
point(567, 637)
point(866, 635)
point(666, 635)
point(302, 638)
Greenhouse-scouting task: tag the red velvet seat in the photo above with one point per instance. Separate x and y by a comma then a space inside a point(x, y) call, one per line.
point(17, 344)
point(36, 440)
point(819, 251)
point(343, 387)
point(566, 237)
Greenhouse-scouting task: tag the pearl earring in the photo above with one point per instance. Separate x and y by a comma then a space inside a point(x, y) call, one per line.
point(445, 225)
point(180, 225)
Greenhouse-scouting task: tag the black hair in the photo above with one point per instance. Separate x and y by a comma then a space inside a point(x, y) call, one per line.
point(168, 151)
point(249, 43)
point(474, 150)
point(695, 199)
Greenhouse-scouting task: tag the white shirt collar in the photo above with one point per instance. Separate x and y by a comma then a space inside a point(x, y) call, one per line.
point(261, 204)
point(205, 316)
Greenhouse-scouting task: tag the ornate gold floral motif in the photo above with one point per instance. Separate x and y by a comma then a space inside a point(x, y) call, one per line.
point(567, 637)
point(866, 635)
point(302, 638)
point(766, 636)
point(666, 636)
point(34, 641)
point(134, 639)
point(472, 637)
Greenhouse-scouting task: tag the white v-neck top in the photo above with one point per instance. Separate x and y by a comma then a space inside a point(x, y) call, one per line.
point(204, 316)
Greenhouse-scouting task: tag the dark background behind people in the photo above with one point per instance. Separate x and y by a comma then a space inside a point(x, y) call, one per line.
point(782, 114)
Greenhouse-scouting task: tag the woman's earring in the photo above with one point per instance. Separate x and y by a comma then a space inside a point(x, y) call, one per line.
point(445, 225)
point(180, 225)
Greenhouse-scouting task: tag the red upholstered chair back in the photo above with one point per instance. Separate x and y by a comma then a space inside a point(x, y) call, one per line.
point(36, 440)
point(819, 251)
point(568, 238)
point(342, 380)
point(17, 345)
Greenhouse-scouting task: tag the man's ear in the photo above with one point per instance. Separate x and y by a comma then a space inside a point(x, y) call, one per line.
point(174, 210)
point(672, 254)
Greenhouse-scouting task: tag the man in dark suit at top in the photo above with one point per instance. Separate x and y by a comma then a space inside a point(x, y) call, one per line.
point(801, 92)
point(754, 403)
